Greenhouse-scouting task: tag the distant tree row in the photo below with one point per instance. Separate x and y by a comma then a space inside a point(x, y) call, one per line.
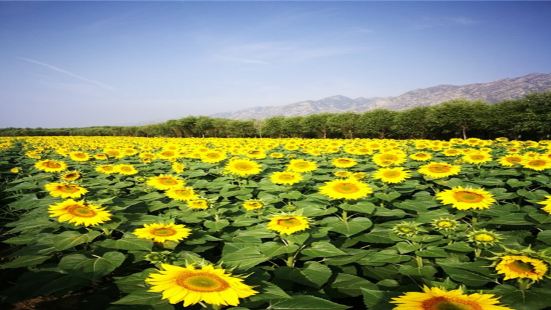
point(525, 118)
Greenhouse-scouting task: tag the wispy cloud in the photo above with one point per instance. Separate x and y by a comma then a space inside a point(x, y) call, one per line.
point(280, 51)
point(68, 73)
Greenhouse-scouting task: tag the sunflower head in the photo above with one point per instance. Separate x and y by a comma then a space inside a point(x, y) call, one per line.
point(161, 232)
point(285, 177)
point(407, 229)
point(483, 237)
point(287, 224)
point(350, 189)
point(445, 224)
point(243, 167)
point(466, 198)
point(252, 204)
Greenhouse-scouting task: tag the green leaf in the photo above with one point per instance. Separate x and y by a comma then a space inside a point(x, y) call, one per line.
point(352, 227)
point(244, 258)
point(376, 299)
point(269, 291)
point(25, 261)
point(322, 249)
point(475, 274)
point(545, 236)
point(351, 285)
point(69, 239)
point(141, 298)
point(127, 243)
point(316, 273)
point(96, 267)
point(304, 302)
point(273, 249)
point(360, 207)
point(387, 197)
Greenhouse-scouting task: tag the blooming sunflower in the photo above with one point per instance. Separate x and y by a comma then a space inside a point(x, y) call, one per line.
point(165, 182)
point(386, 159)
point(484, 237)
point(191, 285)
point(345, 189)
point(344, 162)
point(70, 176)
point(465, 198)
point(285, 177)
point(343, 174)
point(160, 232)
point(50, 165)
point(79, 156)
point(445, 224)
point(406, 229)
point(213, 156)
point(439, 299)
point(252, 204)
point(15, 170)
point(287, 224)
point(391, 175)
point(125, 169)
point(546, 204)
point(477, 157)
point(437, 170)
point(181, 193)
point(521, 266)
point(79, 213)
point(301, 165)
point(421, 156)
point(243, 167)
point(65, 190)
point(199, 203)
point(538, 163)
point(510, 160)
point(178, 167)
point(106, 169)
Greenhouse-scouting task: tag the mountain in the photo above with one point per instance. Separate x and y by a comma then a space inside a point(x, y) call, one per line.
point(492, 92)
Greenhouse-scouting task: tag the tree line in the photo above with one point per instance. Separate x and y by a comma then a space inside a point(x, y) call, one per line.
point(525, 118)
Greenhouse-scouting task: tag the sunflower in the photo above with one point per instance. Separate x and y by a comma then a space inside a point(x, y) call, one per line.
point(125, 169)
point(199, 203)
point(391, 175)
point(287, 224)
point(65, 190)
point(465, 198)
point(439, 299)
point(181, 193)
point(192, 285)
point(79, 156)
point(50, 165)
point(406, 229)
point(106, 169)
point(437, 170)
point(252, 204)
point(165, 182)
point(538, 163)
point(344, 162)
point(79, 213)
point(101, 156)
point(452, 152)
point(167, 155)
point(484, 237)
point(522, 267)
point(345, 189)
point(421, 156)
point(343, 174)
point(546, 204)
point(285, 177)
point(213, 156)
point(276, 155)
point(301, 165)
point(15, 170)
point(178, 167)
point(445, 224)
point(392, 158)
point(243, 167)
point(70, 176)
point(510, 160)
point(477, 157)
point(160, 232)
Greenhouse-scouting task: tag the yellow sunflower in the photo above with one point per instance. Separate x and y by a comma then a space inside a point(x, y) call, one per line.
point(191, 285)
point(160, 232)
point(546, 204)
point(181, 193)
point(252, 204)
point(437, 170)
point(165, 182)
point(79, 156)
point(391, 175)
point(213, 156)
point(538, 163)
point(392, 158)
point(15, 170)
point(287, 224)
point(70, 176)
point(65, 190)
point(125, 169)
point(106, 169)
point(452, 152)
point(285, 177)
point(243, 167)
point(477, 157)
point(439, 299)
point(510, 160)
point(50, 165)
point(522, 267)
point(345, 189)
point(79, 213)
point(301, 165)
point(421, 156)
point(343, 174)
point(484, 237)
point(178, 167)
point(465, 198)
point(199, 203)
point(344, 162)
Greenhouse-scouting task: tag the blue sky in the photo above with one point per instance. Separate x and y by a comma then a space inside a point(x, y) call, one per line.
point(119, 63)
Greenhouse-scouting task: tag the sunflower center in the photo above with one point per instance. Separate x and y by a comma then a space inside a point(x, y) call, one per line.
point(68, 189)
point(52, 164)
point(477, 157)
point(346, 188)
point(520, 266)
point(536, 163)
point(389, 157)
point(167, 181)
point(468, 197)
point(80, 155)
point(392, 174)
point(243, 166)
point(484, 238)
point(444, 224)
point(286, 176)
point(288, 222)
point(439, 168)
point(513, 159)
point(81, 211)
point(444, 303)
point(164, 231)
point(202, 282)
point(167, 153)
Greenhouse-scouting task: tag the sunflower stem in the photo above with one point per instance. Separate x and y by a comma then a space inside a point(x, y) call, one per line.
point(291, 261)
point(419, 261)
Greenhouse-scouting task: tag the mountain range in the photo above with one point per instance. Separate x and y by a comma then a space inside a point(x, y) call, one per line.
point(491, 92)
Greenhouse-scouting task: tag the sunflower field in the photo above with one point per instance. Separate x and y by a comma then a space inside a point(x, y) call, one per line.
point(212, 223)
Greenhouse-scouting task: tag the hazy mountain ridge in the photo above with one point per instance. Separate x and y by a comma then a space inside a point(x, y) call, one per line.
point(492, 92)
